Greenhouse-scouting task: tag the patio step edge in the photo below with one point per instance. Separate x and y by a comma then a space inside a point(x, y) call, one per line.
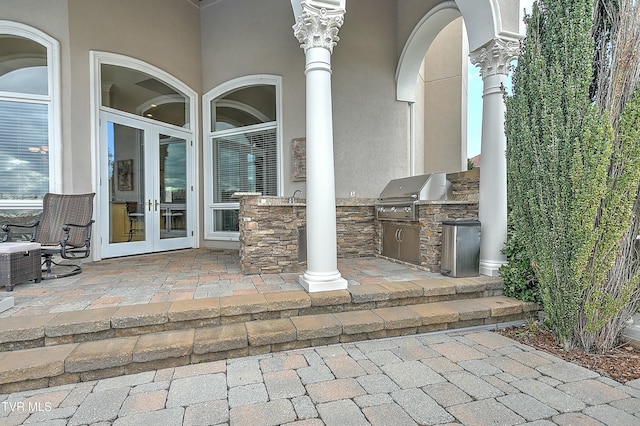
point(67, 363)
point(104, 323)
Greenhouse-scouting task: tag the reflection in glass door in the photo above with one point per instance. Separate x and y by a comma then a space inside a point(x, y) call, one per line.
point(173, 187)
point(126, 181)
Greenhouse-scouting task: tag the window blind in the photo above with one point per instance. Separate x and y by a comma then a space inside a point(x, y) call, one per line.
point(245, 162)
point(24, 150)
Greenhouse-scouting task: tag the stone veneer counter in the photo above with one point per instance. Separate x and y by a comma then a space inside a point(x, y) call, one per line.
point(271, 228)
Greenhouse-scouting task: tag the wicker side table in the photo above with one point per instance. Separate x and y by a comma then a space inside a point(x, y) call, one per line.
point(19, 262)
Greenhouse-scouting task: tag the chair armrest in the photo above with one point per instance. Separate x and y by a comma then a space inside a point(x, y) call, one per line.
point(67, 228)
point(6, 228)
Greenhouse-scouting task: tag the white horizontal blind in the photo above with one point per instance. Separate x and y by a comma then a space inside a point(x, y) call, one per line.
point(245, 162)
point(24, 150)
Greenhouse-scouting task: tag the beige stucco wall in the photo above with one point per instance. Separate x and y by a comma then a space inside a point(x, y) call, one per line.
point(445, 93)
point(410, 12)
point(48, 16)
point(263, 43)
point(368, 123)
point(164, 34)
point(371, 128)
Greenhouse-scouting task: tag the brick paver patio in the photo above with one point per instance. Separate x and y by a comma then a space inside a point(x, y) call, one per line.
point(470, 377)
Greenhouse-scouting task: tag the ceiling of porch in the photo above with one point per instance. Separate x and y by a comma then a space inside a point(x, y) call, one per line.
point(203, 3)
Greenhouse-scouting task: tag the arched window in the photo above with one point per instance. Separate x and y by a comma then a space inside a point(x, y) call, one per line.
point(136, 92)
point(242, 148)
point(29, 119)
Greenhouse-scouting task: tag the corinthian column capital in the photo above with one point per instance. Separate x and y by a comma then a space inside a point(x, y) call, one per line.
point(495, 57)
point(318, 26)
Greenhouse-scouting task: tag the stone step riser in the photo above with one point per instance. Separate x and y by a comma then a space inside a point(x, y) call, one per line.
point(72, 363)
point(107, 323)
point(180, 325)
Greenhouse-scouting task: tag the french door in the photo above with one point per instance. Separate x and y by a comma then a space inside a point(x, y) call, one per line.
point(146, 187)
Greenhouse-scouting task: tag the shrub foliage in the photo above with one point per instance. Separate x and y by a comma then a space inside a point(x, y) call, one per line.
point(517, 274)
point(572, 180)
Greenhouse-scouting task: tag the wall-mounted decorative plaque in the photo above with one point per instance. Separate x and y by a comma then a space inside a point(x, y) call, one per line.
point(299, 146)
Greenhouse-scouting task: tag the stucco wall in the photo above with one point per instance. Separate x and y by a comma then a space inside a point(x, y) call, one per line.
point(371, 128)
point(256, 37)
point(410, 12)
point(49, 16)
point(175, 36)
point(229, 39)
point(164, 34)
point(445, 140)
point(510, 15)
point(368, 123)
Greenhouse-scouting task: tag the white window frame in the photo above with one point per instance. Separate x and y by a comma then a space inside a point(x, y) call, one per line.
point(237, 83)
point(52, 99)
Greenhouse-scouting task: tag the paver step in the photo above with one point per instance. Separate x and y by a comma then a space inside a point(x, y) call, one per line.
point(104, 323)
point(74, 362)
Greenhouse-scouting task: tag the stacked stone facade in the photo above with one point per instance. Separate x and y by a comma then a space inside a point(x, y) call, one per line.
point(270, 227)
point(465, 185)
point(431, 217)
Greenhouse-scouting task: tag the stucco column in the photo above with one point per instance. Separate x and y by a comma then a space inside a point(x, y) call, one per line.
point(494, 61)
point(317, 30)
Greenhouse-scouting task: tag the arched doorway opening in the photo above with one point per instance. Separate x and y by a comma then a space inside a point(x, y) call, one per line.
point(431, 78)
point(492, 34)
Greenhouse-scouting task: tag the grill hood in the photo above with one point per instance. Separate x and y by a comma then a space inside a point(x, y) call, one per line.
point(434, 186)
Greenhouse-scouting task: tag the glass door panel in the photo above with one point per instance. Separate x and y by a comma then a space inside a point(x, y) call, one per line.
point(146, 187)
point(125, 186)
point(126, 183)
point(173, 187)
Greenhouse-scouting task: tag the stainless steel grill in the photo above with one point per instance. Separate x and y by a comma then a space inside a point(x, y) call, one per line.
point(398, 200)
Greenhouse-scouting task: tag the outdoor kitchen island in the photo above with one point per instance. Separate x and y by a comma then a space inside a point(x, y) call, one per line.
point(273, 232)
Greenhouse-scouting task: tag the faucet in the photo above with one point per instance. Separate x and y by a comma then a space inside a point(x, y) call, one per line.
point(292, 199)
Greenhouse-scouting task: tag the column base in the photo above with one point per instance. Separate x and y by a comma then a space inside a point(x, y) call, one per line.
point(490, 267)
point(314, 282)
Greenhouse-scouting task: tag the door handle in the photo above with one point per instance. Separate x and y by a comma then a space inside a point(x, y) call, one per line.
point(400, 235)
point(156, 205)
point(149, 204)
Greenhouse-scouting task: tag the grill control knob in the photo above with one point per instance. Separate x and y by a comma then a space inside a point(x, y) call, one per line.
point(393, 209)
point(407, 209)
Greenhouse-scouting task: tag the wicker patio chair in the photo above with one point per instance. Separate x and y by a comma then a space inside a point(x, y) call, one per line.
point(64, 229)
